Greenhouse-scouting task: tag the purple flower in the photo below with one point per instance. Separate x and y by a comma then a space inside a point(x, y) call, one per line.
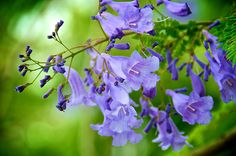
point(112, 25)
point(130, 17)
point(119, 122)
point(221, 69)
point(115, 64)
point(120, 7)
point(176, 8)
point(224, 75)
point(116, 90)
point(196, 107)
point(138, 20)
point(228, 90)
point(217, 52)
point(169, 134)
point(139, 71)
point(96, 61)
point(78, 93)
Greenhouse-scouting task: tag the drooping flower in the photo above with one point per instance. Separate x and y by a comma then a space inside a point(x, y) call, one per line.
point(78, 93)
point(196, 107)
point(217, 52)
point(176, 8)
point(119, 122)
point(139, 71)
point(120, 7)
point(221, 69)
point(138, 20)
point(96, 61)
point(224, 75)
point(111, 24)
point(130, 17)
point(169, 134)
point(116, 90)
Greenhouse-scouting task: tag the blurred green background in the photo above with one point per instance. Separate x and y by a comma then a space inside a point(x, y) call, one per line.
point(30, 125)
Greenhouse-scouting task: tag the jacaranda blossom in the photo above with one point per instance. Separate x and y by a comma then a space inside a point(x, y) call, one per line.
point(196, 107)
point(139, 71)
point(111, 24)
point(222, 70)
point(120, 7)
point(168, 133)
point(176, 8)
point(224, 75)
point(119, 121)
point(138, 20)
point(130, 17)
point(79, 94)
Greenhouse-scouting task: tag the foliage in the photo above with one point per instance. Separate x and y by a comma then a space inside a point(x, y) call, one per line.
point(177, 37)
point(226, 33)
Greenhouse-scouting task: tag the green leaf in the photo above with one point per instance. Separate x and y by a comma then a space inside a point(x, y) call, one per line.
point(226, 33)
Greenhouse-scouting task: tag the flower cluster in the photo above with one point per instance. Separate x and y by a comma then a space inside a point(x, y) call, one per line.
point(110, 79)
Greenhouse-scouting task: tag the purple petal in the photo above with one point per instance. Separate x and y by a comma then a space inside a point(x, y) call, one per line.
point(177, 8)
point(197, 84)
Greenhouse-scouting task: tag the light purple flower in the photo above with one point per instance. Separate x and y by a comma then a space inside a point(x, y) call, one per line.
point(169, 134)
point(120, 7)
point(138, 20)
point(79, 94)
point(116, 90)
point(130, 17)
point(176, 8)
point(217, 52)
point(119, 122)
point(221, 69)
point(196, 107)
point(139, 71)
point(224, 75)
point(96, 61)
point(111, 24)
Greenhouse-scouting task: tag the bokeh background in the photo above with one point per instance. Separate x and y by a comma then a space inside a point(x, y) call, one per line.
point(30, 125)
